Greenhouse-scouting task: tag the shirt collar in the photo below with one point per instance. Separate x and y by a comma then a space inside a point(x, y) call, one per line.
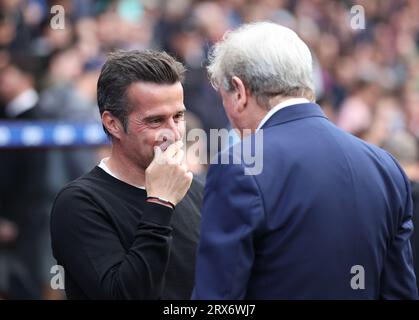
point(283, 104)
point(105, 168)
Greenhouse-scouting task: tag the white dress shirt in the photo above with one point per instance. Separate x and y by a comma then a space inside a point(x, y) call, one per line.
point(282, 105)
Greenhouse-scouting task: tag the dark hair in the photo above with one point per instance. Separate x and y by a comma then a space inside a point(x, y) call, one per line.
point(122, 68)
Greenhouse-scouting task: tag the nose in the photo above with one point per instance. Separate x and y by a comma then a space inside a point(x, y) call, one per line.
point(174, 128)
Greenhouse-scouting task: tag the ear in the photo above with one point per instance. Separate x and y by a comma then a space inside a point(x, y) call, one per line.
point(240, 94)
point(112, 124)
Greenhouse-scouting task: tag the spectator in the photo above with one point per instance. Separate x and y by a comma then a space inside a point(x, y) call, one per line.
point(24, 197)
point(404, 147)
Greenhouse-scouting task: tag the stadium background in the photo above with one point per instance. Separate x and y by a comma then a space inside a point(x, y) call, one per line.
point(367, 81)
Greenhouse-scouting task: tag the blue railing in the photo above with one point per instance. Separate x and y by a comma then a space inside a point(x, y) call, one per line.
point(51, 134)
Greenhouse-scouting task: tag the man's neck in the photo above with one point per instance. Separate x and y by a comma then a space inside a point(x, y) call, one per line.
point(259, 114)
point(251, 124)
point(124, 169)
point(281, 103)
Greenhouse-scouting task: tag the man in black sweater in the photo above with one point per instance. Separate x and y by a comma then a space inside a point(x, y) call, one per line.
point(128, 229)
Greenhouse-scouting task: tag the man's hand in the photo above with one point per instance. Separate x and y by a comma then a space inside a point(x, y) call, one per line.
point(167, 177)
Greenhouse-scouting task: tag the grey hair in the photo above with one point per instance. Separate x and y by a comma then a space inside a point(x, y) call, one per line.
point(270, 59)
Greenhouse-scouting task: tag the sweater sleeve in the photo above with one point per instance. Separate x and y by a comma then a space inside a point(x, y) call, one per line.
point(85, 242)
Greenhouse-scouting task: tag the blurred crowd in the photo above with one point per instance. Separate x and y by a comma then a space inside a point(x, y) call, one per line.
point(367, 81)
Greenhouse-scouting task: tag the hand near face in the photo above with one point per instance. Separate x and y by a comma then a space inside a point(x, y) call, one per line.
point(167, 177)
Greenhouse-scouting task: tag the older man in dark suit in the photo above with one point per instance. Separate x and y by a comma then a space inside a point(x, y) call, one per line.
point(324, 215)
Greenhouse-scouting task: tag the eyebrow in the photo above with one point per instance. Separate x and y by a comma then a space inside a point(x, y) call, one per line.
point(156, 116)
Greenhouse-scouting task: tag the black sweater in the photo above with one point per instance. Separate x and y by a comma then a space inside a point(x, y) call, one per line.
point(115, 245)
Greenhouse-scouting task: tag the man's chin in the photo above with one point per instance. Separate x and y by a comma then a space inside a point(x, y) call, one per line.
point(144, 163)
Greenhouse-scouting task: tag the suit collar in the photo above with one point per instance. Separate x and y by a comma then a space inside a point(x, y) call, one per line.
point(282, 105)
point(295, 112)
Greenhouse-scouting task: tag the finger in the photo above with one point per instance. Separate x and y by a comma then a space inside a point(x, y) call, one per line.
point(178, 157)
point(157, 152)
point(173, 149)
point(184, 167)
point(158, 157)
point(165, 145)
point(190, 176)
